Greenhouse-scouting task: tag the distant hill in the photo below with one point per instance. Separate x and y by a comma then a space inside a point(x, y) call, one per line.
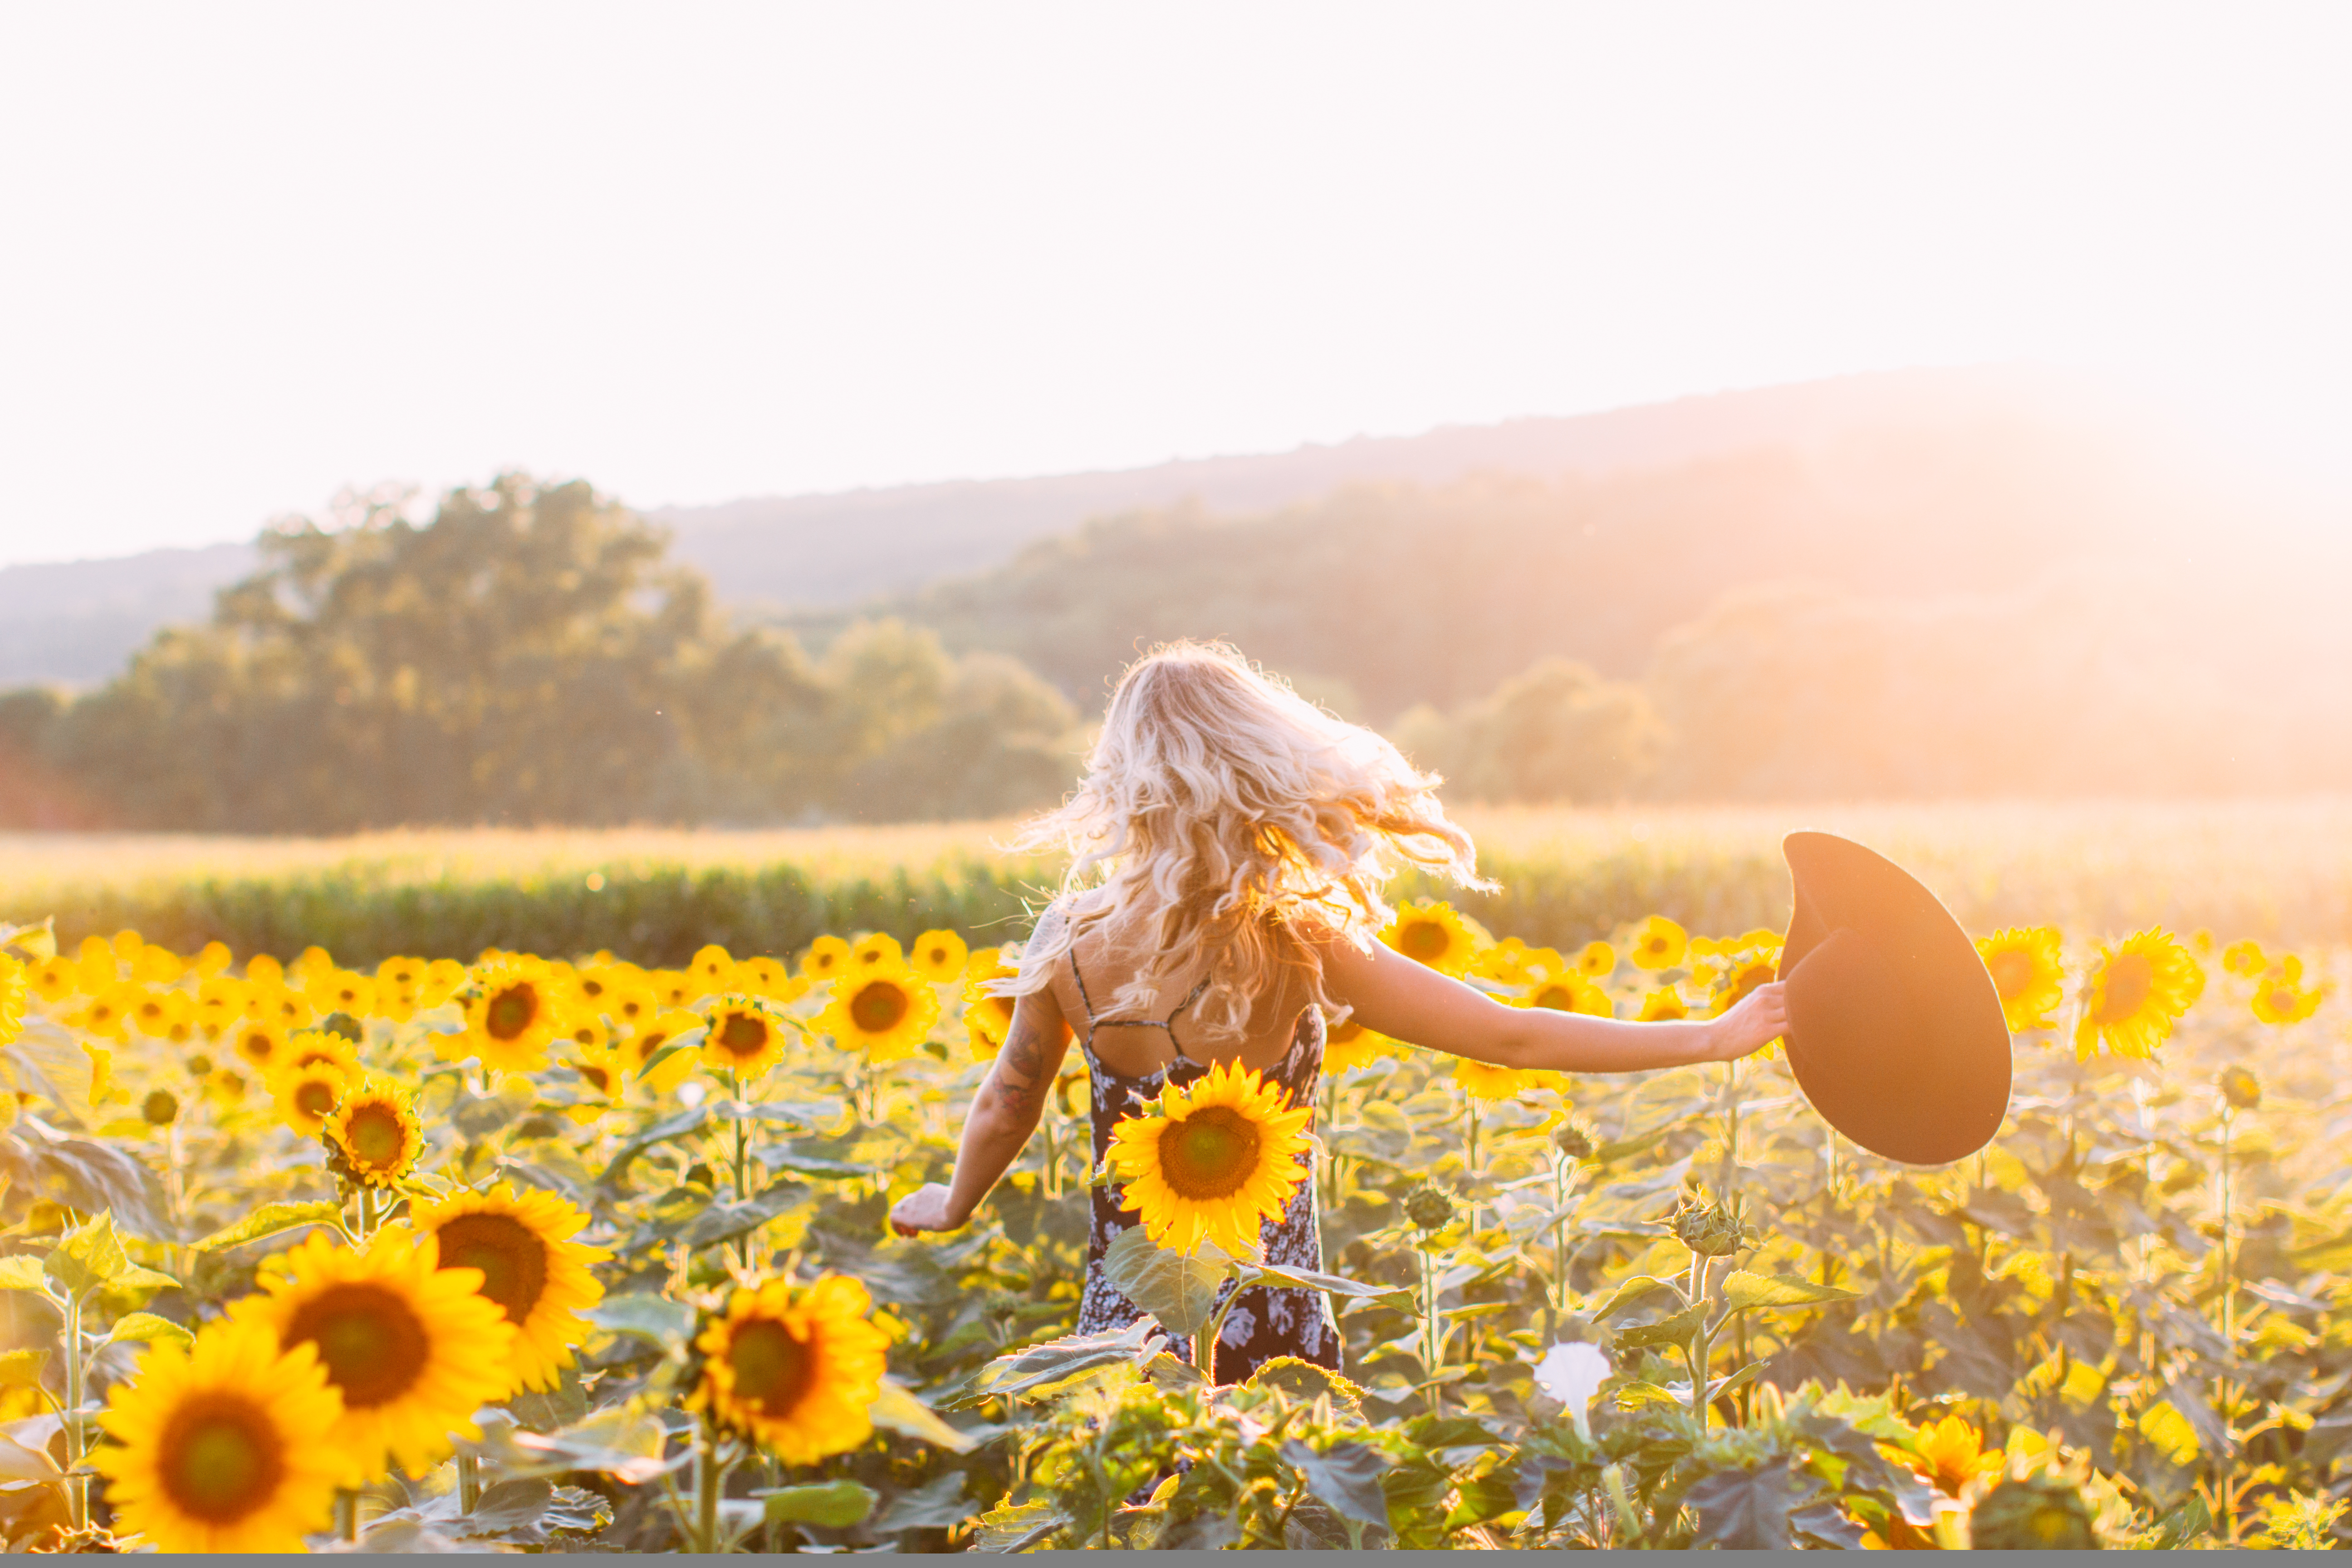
point(76, 622)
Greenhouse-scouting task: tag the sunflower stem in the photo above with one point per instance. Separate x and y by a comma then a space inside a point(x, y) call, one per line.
point(709, 1480)
point(76, 1376)
point(1433, 1345)
point(347, 1513)
point(742, 1169)
point(469, 1483)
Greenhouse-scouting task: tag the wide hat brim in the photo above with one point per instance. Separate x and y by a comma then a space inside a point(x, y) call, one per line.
point(1895, 1031)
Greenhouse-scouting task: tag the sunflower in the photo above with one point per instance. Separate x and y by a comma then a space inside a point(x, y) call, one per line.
point(108, 1013)
point(1662, 1004)
point(2023, 963)
point(1432, 933)
point(442, 979)
point(1347, 1044)
point(768, 977)
point(876, 950)
point(262, 970)
point(413, 1348)
point(1659, 943)
point(793, 1367)
point(55, 979)
point(220, 1005)
point(1568, 992)
point(1210, 1161)
point(213, 958)
point(939, 956)
point(650, 1039)
point(512, 1014)
point(632, 1002)
point(308, 1096)
point(1509, 961)
point(152, 1012)
point(1744, 966)
point(713, 970)
point(884, 1011)
point(987, 1017)
point(1482, 1080)
point(1951, 1454)
point(223, 1446)
point(312, 1047)
point(376, 1129)
point(339, 991)
point(2245, 958)
point(605, 1069)
point(529, 1266)
point(13, 990)
point(825, 958)
point(2281, 997)
point(742, 1035)
point(673, 988)
point(2135, 995)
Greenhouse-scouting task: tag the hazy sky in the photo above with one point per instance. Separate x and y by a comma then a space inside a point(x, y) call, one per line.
point(252, 253)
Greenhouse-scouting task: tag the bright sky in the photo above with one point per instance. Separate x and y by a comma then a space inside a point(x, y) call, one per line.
point(252, 253)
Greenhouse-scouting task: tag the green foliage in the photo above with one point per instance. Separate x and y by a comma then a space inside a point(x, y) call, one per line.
point(1557, 731)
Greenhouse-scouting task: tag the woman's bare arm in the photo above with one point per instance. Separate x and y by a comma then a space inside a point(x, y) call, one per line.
point(1003, 1114)
point(1406, 1001)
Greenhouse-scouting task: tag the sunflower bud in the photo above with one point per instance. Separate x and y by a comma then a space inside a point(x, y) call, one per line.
point(1428, 1208)
point(1706, 1229)
point(161, 1108)
point(2240, 1089)
point(2037, 1514)
point(1573, 1139)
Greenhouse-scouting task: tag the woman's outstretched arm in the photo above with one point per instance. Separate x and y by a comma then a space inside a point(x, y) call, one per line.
point(1003, 1114)
point(1407, 1001)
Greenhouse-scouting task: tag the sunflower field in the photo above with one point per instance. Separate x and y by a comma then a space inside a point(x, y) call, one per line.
point(522, 1252)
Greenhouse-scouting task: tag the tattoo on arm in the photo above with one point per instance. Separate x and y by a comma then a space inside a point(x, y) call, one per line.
point(1025, 1068)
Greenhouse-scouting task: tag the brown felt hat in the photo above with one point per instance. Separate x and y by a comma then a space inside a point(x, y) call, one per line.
point(1895, 1031)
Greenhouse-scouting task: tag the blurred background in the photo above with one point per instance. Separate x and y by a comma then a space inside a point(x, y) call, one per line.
point(518, 416)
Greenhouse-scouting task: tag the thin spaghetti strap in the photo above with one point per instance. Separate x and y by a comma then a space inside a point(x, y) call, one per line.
point(1084, 1000)
point(1189, 997)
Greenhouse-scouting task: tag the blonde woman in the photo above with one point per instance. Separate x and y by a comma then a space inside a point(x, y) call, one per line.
point(1229, 845)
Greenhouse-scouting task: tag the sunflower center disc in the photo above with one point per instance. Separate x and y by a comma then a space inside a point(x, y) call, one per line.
point(743, 1034)
point(255, 1048)
point(220, 1459)
point(878, 1007)
point(1423, 940)
point(371, 1342)
point(2130, 978)
point(315, 1099)
point(1212, 1153)
point(597, 1078)
point(770, 1364)
point(513, 1261)
point(510, 1012)
point(2013, 971)
point(375, 1135)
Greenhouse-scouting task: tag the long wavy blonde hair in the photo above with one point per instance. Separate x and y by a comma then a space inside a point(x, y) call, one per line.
point(1240, 818)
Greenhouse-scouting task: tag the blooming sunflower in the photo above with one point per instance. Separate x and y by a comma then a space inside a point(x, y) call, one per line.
point(1951, 1455)
point(1484, 1080)
point(1210, 1161)
point(1433, 932)
point(213, 958)
point(2281, 998)
point(512, 1014)
point(876, 950)
point(649, 1040)
point(742, 1035)
point(2135, 995)
point(313, 1047)
point(307, 1096)
point(223, 1446)
point(376, 1129)
point(220, 1005)
point(987, 1017)
point(1596, 961)
point(1659, 943)
point(14, 988)
point(1744, 966)
point(443, 977)
point(2244, 958)
point(939, 956)
point(529, 1266)
point(825, 958)
point(269, 1002)
point(605, 1069)
point(1568, 992)
point(339, 991)
point(793, 1367)
point(108, 1013)
point(1662, 1004)
point(884, 1011)
point(2023, 963)
point(1509, 961)
point(1347, 1044)
point(673, 988)
point(56, 980)
point(768, 977)
point(713, 969)
point(413, 1348)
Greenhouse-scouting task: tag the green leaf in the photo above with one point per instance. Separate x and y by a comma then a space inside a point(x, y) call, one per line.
point(1016, 1527)
point(479, 1115)
point(21, 1272)
point(147, 1329)
point(1181, 1291)
point(1742, 1290)
point(1635, 1395)
point(89, 1255)
point(1675, 1330)
point(1038, 1371)
point(684, 1123)
point(272, 1219)
point(1305, 1381)
point(691, 1040)
point(135, 1284)
point(22, 1369)
point(1347, 1477)
point(1745, 1510)
point(1253, 1274)
point(1630, 1292)
point(895, 1410)
point(832, 1505)
point(725, 1222)
point(1737, 1381)
point(785, 1157)
point(810, 1114)
point(656, 1318)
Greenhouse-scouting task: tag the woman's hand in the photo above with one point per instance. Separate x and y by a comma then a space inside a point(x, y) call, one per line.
point(1754, 1021)
point(927, 1207)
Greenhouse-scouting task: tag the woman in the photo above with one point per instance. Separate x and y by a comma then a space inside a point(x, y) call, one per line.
point(1230, 843)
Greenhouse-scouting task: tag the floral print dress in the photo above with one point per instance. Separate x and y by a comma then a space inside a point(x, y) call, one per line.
point(1267, 1322)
